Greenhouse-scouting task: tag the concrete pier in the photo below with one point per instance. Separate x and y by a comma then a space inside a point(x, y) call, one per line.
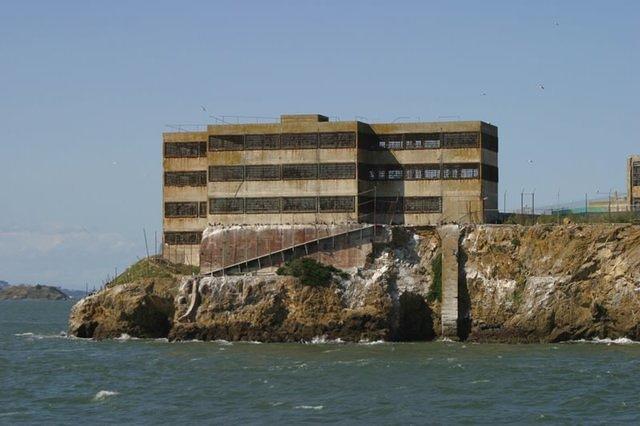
point(449, 236)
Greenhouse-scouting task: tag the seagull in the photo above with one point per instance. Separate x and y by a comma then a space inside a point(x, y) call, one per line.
point(530, 161)
point(541, 86)
point(484, 94)
point(114, 163)
point(203, 108)
point(557, 23)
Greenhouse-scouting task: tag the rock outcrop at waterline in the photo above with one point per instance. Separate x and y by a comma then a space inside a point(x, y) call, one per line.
point(517, 284)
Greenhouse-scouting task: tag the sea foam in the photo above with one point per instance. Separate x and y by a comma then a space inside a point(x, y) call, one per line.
point(104, 394)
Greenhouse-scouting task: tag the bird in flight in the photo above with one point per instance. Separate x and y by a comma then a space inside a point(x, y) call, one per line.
point(541, 86)
point(203, 108)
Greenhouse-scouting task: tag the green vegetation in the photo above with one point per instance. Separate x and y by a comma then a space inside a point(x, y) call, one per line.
point(436, 273)
point(595, 217)
point(310, 271)
point(521, 282)
point(153, 267)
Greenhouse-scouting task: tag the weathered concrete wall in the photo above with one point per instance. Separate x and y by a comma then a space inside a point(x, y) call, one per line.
point(450, 237)
point(228, 245)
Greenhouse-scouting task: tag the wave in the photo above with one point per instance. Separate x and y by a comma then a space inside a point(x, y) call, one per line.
point(608, 341)
point(104, 394)
point(309, 407)
point(30, 335)
point(321, 340)
point(371, 342)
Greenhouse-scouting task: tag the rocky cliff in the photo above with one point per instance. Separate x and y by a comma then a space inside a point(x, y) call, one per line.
point(517, 284)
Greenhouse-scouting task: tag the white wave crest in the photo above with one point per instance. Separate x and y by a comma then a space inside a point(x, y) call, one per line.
point(371, 342)
point(321, 340)
point(104, 394)
point(309, 407)
point(608, 341)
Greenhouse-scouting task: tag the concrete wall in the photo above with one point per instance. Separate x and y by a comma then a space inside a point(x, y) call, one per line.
point(633, 191)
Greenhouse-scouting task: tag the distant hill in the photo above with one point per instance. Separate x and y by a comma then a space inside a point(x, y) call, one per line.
point(3, 284)
point(74, 294)
point(17, 292)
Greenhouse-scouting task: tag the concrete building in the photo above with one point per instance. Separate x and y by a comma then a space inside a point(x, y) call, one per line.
point(633, 182)
point(309, 170)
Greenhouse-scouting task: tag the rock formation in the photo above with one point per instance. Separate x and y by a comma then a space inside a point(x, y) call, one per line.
point(516, 284)
point(22, 291)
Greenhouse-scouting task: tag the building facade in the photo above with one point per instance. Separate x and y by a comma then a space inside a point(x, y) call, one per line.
point(633, 182)
point(309, 170)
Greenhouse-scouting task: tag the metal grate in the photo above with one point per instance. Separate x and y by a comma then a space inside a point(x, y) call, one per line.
point(268, 141)
point(422, 140)
point(461, 171)
point(338, 140)
point(336, 204)
point(635, 173)
point(299, 140)
point(392, 141)
point(299, 204)
point(226, 205)
point(266, 204)
point(198, 178)
point(185, 149)
point(337, 170)
point(181, 209)
point(461, 140)
point(299, 171)
point(182, 238)
point(489, 142)
point(262, 172)
point(202, 209)
point(225, 173)
point(226, 142)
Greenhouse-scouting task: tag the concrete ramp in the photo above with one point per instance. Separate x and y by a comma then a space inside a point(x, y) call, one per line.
point(450, 238)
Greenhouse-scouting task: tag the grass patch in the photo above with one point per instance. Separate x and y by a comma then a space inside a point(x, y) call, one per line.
point(436, 274)
point(153, 267)
point(310, 272)
point(521, 282)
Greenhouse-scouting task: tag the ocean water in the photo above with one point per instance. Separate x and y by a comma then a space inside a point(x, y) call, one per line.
point(47, 378)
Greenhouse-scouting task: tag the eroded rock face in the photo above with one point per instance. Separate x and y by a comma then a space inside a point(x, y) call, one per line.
point(139, 309)
point(553, 283)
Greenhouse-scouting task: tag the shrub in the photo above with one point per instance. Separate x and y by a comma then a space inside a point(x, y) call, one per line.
point(310, 272)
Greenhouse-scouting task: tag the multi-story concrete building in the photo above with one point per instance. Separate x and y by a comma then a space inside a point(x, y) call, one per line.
point(309, 170)
point(633, 182)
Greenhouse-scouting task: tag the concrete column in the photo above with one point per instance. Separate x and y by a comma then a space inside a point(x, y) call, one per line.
point(449, 237)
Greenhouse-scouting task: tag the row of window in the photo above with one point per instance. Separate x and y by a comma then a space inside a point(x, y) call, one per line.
point(284, 171)
point(394, 141)
point(380, 172)
point(391, 205)
point(635, 204)
point(178, 238)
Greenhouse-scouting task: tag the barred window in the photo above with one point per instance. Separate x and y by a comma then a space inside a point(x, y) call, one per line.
point(461, 171)
point(431, 172)
point(225, 173)
point(422, 140)
point(337, 140)
point(181, 209)
point(299, 171)
point(202, 212)
point(635, 205)
point(262, 172)
point(395, 174)
point(182, 238)
point(299, 140)
point(392, 141)
point(299, 204)
point(422, 171)
point(635, 173)
point(185, 149)
point(422, 204)
point(198, 178)
point(337, 171)
point(266, 204)
point(461, 140)
point(489, 142)
point(337, 204)
point(226, 142)
point(226, 205)
point(268, 141)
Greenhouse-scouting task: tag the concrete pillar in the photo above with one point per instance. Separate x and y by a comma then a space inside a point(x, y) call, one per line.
point(449, 237)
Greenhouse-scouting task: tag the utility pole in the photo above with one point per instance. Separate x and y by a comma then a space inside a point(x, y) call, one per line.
point(586, 207)
point(504, 201)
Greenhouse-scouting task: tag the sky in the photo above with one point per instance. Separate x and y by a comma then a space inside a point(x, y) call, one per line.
point(88, 87)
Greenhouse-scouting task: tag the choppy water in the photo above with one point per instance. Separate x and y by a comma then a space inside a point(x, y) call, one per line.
point(47, 378)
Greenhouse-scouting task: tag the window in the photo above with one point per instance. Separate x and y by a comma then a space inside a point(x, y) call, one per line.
point(489, 173)
point(489, 142)
point(202, 209)
point(461, 140)
point(338, 140)
point(226, 142)
point(299, 204)
point(181, 209)
point(635, 173)
point(226, 205)
point(422, 204)
point(395, 174)
point(198, 178)
point(635, 205)
point(392, 141)
point(185, 149)
point(422, 140)
point(382, 174)
point(461, 171)
point(270, 141)
point(299, 140)
point(262, 172)
point(182, 238)
point(225, 173)
point(264, 205)
point(432, 172)
point(337, 171)
point(337, 204)
point(299, 171)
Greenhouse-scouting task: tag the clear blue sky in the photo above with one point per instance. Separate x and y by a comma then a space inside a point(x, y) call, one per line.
point(86, 89)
